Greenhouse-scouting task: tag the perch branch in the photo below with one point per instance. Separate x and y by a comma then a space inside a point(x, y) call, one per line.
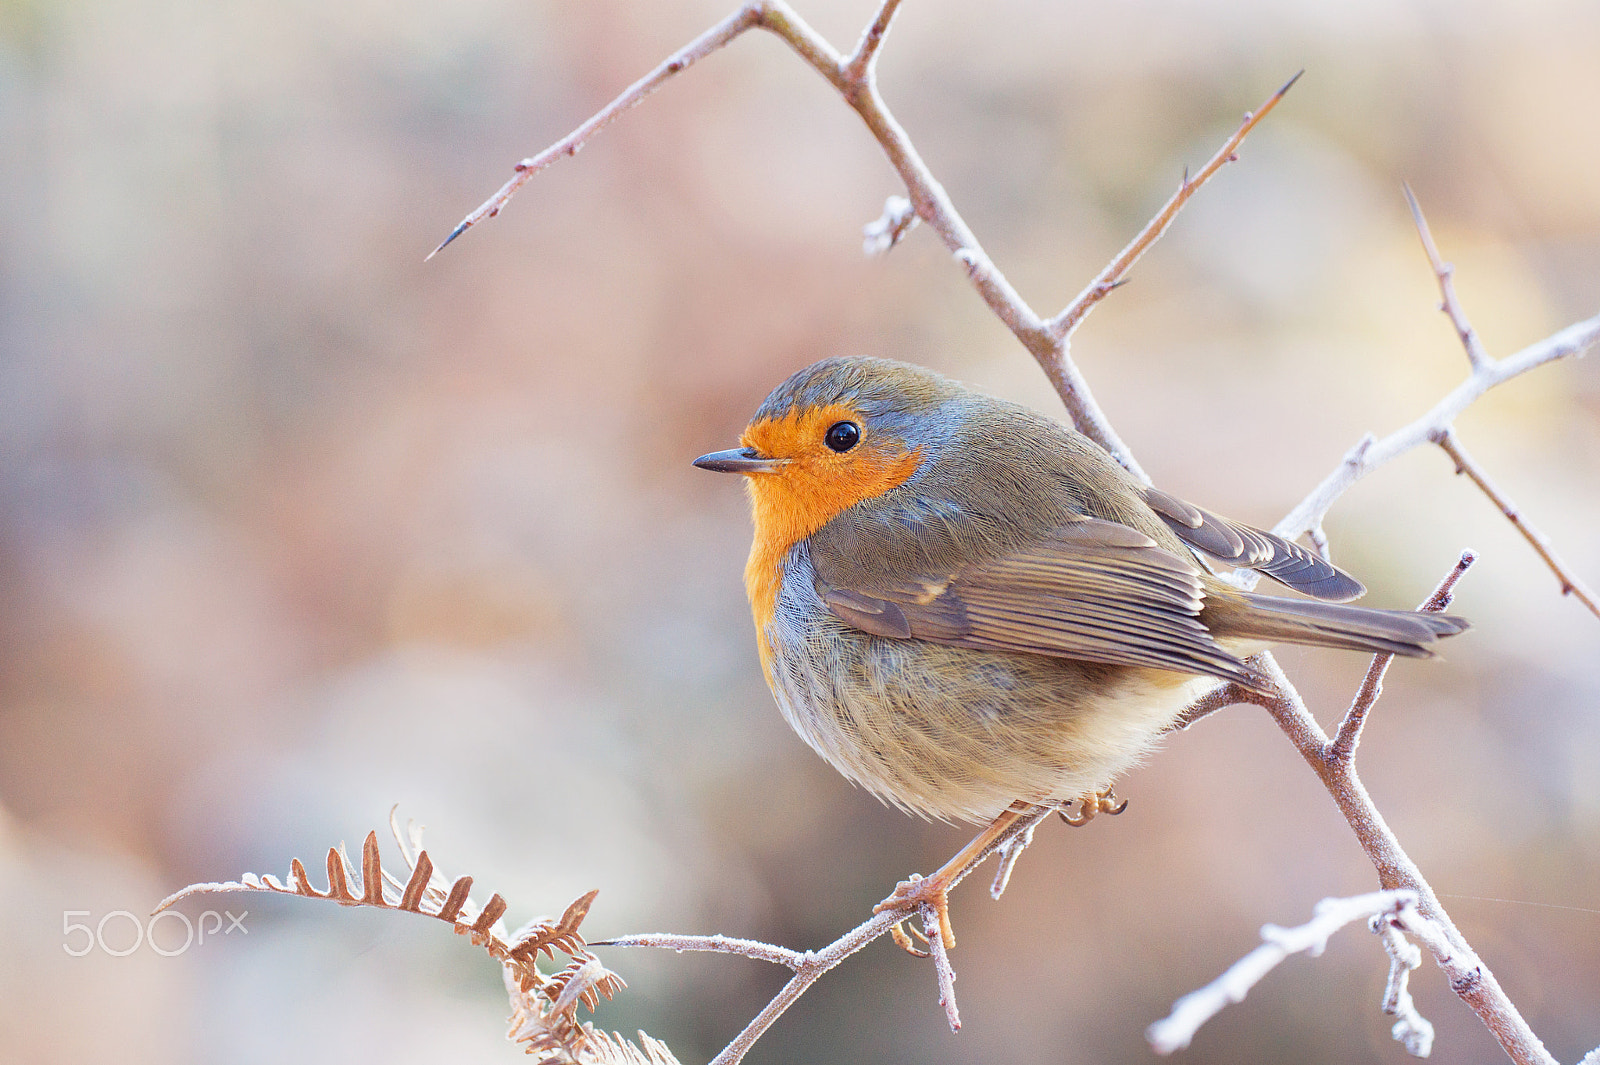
point(809, 966)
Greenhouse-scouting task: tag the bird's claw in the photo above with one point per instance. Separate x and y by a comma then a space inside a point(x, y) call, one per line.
point(902, 940)
point(1100, 802)
point(923, 892)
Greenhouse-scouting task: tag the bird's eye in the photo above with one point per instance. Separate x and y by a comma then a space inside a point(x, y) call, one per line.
point(842, 436)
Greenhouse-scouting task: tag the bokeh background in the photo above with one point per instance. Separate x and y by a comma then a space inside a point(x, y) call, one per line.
point(294, 526)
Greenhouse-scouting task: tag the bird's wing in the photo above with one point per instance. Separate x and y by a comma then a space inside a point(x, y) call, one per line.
point(1243, 545)
point(1089, 589)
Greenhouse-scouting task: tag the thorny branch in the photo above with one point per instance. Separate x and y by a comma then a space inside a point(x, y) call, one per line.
point(1436, 425)
point(1116, 272)
point(1369, 454)
point(854, 77)
point(1445, 435)
point(1477, 357)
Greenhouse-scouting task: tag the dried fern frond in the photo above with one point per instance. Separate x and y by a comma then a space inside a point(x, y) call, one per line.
point(612, 1049)
point(543, 1005)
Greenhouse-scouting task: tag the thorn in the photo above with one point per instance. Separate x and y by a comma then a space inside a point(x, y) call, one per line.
point(1290, 83)
point(454, 233)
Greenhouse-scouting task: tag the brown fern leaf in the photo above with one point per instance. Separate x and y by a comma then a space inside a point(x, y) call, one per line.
point(544, 1007)
point(609, 1048)
point(598, 1048)
point(580, 981)
point(563, 935)
point(545, 1019)
point(425, 892)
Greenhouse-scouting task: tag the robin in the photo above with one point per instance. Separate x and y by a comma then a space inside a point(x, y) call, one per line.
point(970, 609)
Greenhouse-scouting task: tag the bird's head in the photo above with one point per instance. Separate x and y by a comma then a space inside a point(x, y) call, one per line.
point(837, 433)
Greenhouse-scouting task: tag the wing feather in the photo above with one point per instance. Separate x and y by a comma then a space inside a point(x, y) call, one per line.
point(1090, 590)
point(1238, 544)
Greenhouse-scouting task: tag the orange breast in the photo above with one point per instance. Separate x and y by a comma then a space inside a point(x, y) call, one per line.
point(813, 487)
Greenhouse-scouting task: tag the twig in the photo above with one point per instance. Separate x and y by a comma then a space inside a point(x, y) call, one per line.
point(855, 80)
point(1223, 695)
point(1477, 357)
point(861, 62)
point(631, 97)
point(946, 976)
point(1348, 737)
point(1367, 456)
point(810, 968)
point(1570, 584)
point(1066, 323)
point(1411, 1029)
point(745, 948)
point(1175, 1031)
point(889, 228)
point(1009, 852)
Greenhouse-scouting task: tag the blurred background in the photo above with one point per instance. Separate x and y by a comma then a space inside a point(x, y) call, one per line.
point(294, 526)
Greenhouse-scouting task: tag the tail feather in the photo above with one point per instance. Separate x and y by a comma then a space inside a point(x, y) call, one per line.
point(1354, 628)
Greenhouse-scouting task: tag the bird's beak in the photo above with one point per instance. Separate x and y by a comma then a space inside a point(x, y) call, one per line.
point(738, 460)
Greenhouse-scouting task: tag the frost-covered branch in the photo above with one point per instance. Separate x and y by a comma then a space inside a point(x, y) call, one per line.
point(809, 966)
point(1437, 426)
point(1411, 1029)
point(1175, 1031)
point(1370, 453)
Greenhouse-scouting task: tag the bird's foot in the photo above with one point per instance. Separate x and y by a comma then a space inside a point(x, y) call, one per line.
point(1104, 801)
point(931, 892)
